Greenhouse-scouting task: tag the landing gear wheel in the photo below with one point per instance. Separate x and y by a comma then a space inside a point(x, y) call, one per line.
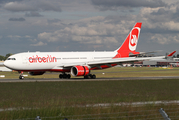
point(93, 76)
point(87, 77)
point(68, 76)
point(21, 77)
point(90, 76)
point(60, 76)
point(64, 76)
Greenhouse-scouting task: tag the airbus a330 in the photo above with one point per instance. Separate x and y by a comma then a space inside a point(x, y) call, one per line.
point(77, 63)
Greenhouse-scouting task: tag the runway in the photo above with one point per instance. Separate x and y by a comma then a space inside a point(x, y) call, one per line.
point(81, 79)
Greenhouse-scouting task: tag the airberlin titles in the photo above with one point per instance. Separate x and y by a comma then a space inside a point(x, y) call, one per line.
point(38, 59)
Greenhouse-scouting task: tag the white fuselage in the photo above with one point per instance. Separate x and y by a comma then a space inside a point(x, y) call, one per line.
point(49, 61)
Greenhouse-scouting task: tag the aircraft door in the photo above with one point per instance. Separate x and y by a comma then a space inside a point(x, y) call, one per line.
point(24, 60)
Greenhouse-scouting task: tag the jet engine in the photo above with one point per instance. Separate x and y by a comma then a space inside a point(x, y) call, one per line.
point(37, 73)
point(80, 70)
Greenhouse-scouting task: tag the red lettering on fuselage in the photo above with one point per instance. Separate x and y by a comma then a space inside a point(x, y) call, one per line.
point(37, 59)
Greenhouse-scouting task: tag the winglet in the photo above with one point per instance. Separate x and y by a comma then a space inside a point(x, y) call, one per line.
point(171, 54)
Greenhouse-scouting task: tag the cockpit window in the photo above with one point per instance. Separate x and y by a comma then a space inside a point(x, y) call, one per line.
point(11, 59)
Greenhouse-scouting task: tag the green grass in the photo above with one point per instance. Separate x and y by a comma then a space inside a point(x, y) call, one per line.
point(54, 98)
point(109, 73)
point(49, 94)
point(64, 98)
point(136, 72)
point(112, 113)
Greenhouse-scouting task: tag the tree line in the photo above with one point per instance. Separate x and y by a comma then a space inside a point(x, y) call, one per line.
point(2, 58)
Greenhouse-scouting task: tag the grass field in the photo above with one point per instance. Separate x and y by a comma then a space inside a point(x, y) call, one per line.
point(57, 100)
point(110, 73)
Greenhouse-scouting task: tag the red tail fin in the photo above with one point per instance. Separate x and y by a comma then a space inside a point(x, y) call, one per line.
point(130, 44)
point(171, 54)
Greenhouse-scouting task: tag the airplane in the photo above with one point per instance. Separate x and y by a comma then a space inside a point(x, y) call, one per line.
point(77, 63)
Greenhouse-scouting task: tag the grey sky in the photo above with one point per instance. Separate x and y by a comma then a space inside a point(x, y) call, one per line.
point(86, 25)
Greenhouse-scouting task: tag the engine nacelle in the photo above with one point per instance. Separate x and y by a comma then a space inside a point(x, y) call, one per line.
point(37, 73)
point(80, 71)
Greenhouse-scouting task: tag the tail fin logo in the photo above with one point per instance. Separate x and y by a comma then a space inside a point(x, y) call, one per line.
point(134, 38)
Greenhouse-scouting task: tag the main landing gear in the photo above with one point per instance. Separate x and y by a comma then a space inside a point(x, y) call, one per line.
point(68, 76)
point(64, 76)
point(90, 76)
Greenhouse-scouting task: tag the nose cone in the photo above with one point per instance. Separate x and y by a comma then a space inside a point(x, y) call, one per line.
point(8, 64)
point(13, 62)
point(5, 63)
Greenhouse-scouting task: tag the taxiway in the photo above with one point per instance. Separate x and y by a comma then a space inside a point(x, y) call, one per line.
point(81, 79)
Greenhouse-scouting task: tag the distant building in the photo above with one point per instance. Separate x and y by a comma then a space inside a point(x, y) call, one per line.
point(159, 62)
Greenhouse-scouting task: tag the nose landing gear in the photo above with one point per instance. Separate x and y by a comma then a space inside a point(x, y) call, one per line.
point(21, 77)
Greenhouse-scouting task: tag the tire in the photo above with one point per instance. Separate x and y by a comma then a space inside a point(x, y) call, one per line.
point(60, 76)
point(93, 76)
point(64, 76)
point(21, 77)
point(86, 77)
point(68, 76)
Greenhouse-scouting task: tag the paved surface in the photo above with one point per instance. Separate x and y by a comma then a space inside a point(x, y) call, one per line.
point(81, 79)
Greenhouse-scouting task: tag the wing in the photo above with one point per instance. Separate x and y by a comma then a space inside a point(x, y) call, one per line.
point(111, 61)
point(108, 62)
